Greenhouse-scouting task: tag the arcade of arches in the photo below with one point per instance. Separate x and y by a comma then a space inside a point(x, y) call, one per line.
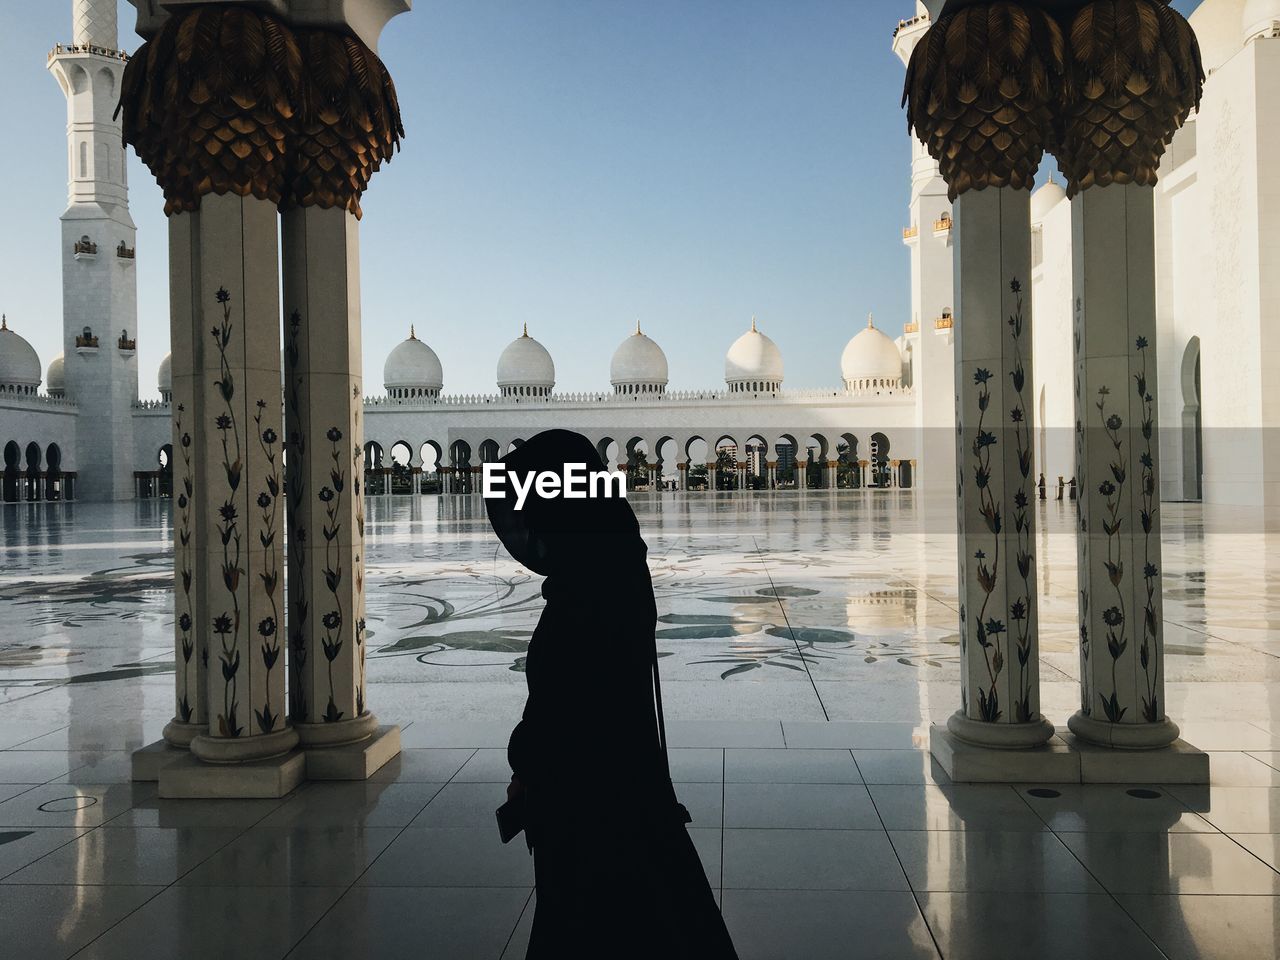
point(758, 461)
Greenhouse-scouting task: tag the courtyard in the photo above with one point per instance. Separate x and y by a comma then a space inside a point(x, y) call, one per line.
point(807, 641)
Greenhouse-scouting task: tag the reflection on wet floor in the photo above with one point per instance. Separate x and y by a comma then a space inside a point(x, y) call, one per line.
point(807, 643)
point(802, 606)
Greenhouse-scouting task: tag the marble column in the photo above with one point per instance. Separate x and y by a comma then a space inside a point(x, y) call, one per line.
point(999, 667)
point(1114, 128)
point(712, 481)
point(1117, 465)
point(323, 412)
point(682, 476)
point(238, 428)
point(191, 633)
point(284, 130)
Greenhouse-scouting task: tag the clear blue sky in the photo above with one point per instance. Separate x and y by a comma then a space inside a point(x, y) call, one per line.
point(573, 165)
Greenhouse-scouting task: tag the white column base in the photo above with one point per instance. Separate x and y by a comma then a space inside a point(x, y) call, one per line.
point(354, 761)
point(999, 736)
point(1067, 759)
point(178, 734)
point(336, 734)
point(190, 778)
point(237, 750)
point(965, 762)
point(1124, 736)
point(1178, 762)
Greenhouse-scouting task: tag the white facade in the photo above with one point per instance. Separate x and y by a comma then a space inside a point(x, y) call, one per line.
point(1217, 277)
point(1218, 289)
point(868, 420)
point(929, 339)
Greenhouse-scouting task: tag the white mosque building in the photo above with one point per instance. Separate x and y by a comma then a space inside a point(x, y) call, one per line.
point(79, 429)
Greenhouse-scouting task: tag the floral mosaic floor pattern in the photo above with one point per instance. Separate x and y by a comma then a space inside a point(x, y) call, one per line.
point(821, 606)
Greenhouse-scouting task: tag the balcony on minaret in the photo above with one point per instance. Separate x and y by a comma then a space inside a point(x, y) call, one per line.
point(942, 226)
point(944, 322)
point(910, 234)
point(86, 342)
point(126, 255)
point(86, 49)
point(125, 344)
point(85, 249)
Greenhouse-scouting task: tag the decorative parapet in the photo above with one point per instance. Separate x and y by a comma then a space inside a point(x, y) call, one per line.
point(84, 248)
point(480, 401)
point(126, 253)
point(910, 233)
point(911, 328)
point(86, 341)
point(942, 224)
point(62, 49)
point(944, 322)
point(125, 344)
point(151, 405)
point(908, 24)
point(36, 401)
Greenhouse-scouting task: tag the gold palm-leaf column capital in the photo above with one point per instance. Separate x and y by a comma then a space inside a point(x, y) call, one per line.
point(207, 104)
point(1133, 76)
point(347, 125)
point(981, 89)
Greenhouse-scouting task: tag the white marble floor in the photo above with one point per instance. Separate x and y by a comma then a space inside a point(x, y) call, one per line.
point(809, 641)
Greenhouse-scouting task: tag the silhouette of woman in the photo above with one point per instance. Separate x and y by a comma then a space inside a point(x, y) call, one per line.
point(617, 874)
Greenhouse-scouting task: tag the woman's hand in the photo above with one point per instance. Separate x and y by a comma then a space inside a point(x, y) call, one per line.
point(514, 788)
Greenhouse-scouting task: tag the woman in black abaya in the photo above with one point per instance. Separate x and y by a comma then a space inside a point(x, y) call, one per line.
point(616, 872)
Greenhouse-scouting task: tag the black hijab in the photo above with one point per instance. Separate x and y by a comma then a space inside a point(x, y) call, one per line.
point(586, 540)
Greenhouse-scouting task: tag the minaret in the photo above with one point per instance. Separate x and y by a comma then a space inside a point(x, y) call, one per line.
point(928, 237)
point(99, 288)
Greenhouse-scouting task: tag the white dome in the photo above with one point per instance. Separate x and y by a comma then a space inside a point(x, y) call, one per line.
point(164, 376)
point(1261, 18)
point(19, 364)
point(412, 365)
point(753, 358)
point(638, 360)
point(1045, 199)
point(55, 379)
point(526, 368)
point(871, 359)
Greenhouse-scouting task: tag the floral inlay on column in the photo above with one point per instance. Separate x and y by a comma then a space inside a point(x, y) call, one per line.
point(987, 628)
point(269, 503)
point(186, 572)
point(1152, 709)
point(1020, 609)
point(297, 491)
point(226, 624)
point(331, 497)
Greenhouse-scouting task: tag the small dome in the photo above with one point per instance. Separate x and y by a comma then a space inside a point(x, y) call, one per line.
point(1261, 18)
point(871, 359)
point(638, 361)
point(526, 368)
point(19, 363)
point(412, 370)
point(55, 379)
point(1045, 199)
point(753, 363)
point(164, 377)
